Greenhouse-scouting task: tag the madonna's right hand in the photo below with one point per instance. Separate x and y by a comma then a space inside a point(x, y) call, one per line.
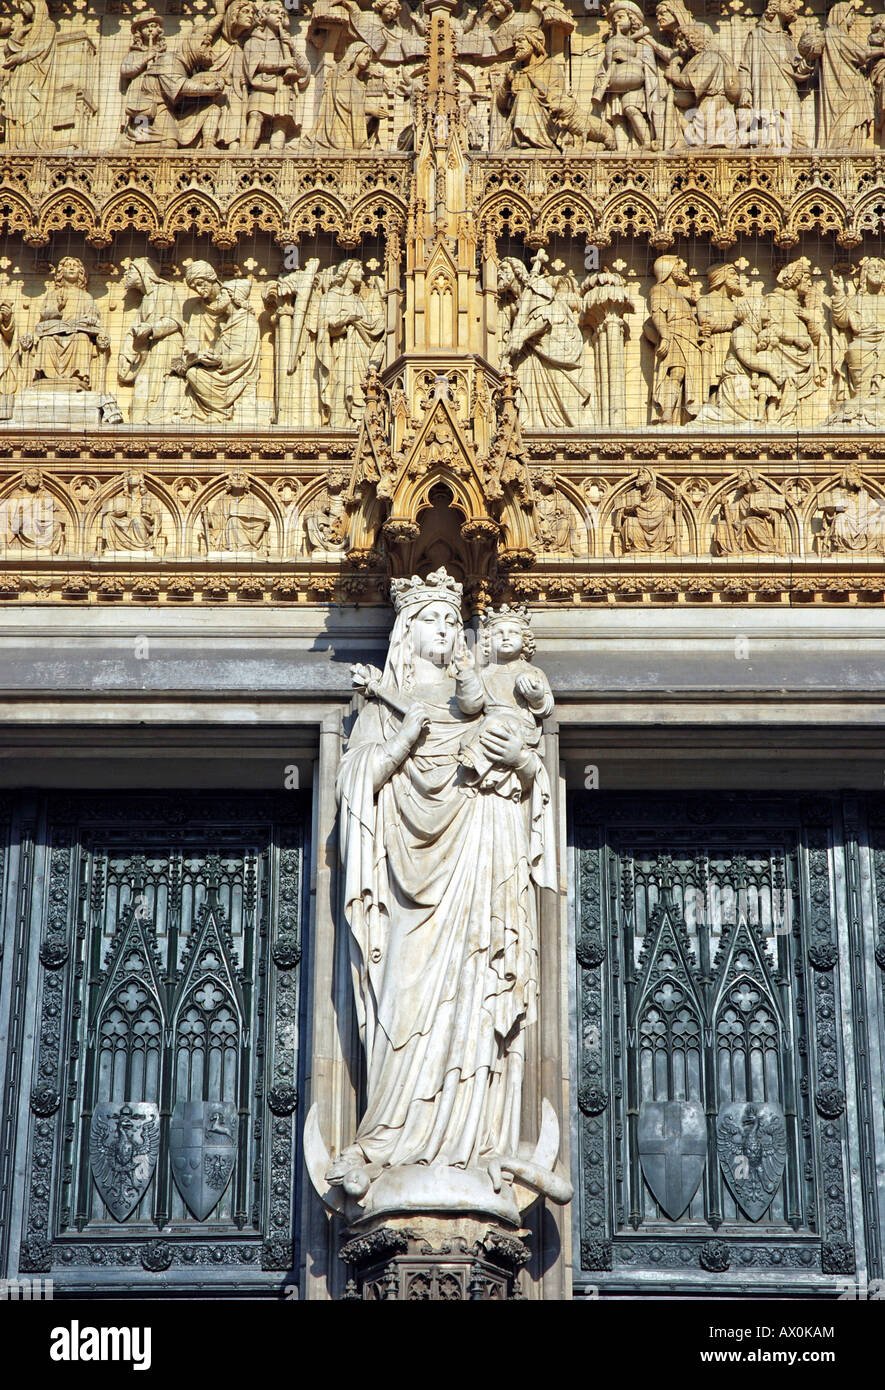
point(414, 723)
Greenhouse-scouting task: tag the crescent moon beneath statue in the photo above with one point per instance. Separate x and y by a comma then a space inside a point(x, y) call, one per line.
point(317, 1159)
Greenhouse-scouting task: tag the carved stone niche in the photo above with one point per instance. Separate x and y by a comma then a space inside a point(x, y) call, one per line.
point(442, 535)
point(427, 1260)
point(428, 496)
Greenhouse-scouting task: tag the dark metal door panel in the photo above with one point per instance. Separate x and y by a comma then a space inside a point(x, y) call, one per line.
point(710, 976)
point(865, 930)
point(161, 943)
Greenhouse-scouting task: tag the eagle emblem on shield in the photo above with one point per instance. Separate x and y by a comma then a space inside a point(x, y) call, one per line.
point(124, 1141)
point(752, 1152)
point(202, 1147)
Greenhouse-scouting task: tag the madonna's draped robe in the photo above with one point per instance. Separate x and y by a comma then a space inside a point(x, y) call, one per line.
point(441, 902)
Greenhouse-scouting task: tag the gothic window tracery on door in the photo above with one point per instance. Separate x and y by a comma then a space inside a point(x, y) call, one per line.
point(170, 1015)
point(705, 1034)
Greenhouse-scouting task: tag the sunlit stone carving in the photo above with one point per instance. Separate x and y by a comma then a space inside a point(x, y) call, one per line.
point(151, 344)
point(853, 520)
point(752, 520)
point(845, 94)
point(235, 521)
point(48, 93)
point(9, 355)
point(772, 70)
point(130, 521)
point(538, 108)
point(392, 33)
point(69, 335)
point(645, 518)
point(64, 359)
point(544, 346)
point(556, 519)
point(276, 74)
point(27, 70)
point(628, 84)
point(293, 302)
point(773, 364)
point(221, 360)
point(605, 302)
point(353, 104)
point(679, 340)
point(707, 81)
point(173, 92)
point(232, 25)
point(717, 315)
point(31, 517)
point(349, 343)
point(326, 521)
point(860, 316)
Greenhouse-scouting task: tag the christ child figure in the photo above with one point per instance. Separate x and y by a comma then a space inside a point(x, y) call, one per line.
point(876, 42)
point(506, 689)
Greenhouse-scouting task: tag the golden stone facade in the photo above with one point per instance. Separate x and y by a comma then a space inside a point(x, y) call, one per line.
point(587, 306)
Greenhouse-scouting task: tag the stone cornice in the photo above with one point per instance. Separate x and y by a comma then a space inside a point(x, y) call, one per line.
point(663, 196)
point(223, 196)
point(656, 195)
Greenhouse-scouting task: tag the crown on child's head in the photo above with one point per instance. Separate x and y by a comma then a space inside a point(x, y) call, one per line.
point(508, 613)
point(406, 593)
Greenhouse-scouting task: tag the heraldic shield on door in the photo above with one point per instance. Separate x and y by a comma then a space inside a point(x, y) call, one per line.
point(728, 1137)
point(158, 1113)
point(202, 1147)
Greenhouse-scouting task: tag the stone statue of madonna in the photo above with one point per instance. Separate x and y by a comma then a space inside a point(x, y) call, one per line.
point(445, 833)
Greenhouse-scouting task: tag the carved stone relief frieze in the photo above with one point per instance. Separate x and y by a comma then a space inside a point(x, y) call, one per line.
point(716, 347)
point(558, 534)
point(194, 343)
point(509, 286)
point(345, 77)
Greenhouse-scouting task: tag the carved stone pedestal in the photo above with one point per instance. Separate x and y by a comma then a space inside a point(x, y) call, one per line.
point(435, 1259)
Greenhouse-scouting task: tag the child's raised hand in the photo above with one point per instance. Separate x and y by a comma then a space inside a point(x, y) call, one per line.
point(462, 662)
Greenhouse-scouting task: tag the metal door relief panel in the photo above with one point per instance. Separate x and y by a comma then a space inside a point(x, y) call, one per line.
point(124, 1143)
point(167, 1003)
point(752, 1152)
point(868, 934)
point(202, 1148)
point(672, 1151)
point(709, 1049)
point(16, 858)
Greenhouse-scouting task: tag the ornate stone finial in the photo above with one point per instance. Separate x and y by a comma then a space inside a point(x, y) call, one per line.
point(438, 585)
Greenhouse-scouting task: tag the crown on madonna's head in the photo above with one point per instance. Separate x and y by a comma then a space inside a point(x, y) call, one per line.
point(439, 585)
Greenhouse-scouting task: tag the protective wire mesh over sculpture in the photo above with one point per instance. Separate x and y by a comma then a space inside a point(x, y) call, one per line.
point(708, 345)
point(537, 76)
point(445, 834)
